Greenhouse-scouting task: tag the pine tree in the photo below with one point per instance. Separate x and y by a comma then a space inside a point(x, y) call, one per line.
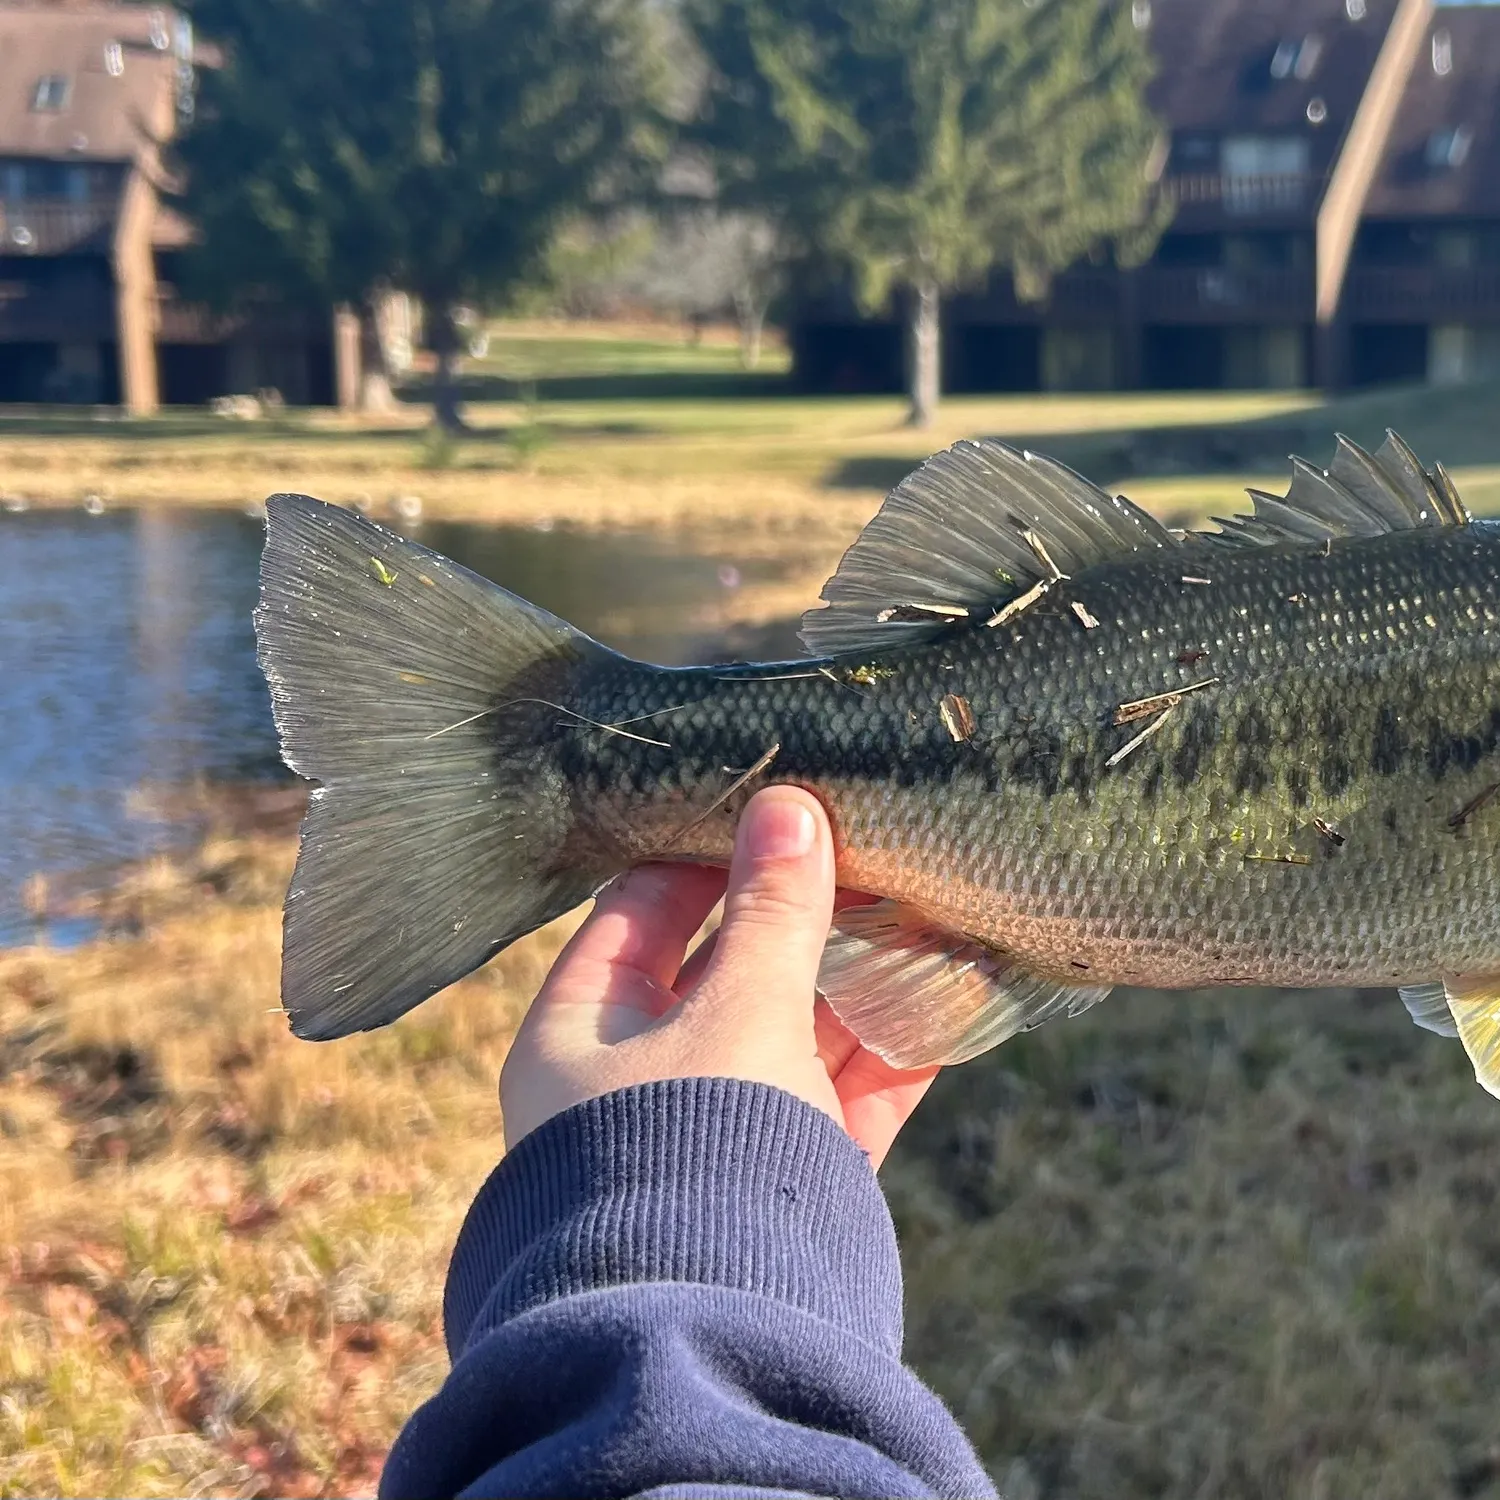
point(924, 143)
point(345, 147)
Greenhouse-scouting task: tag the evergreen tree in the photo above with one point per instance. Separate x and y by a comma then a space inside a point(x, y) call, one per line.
point(343, 147)
point(924, 143)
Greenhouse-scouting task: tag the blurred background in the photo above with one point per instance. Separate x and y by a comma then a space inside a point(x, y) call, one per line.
point(638, 307)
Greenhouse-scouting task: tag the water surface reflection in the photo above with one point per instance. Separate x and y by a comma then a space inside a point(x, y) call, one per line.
point(127, 663)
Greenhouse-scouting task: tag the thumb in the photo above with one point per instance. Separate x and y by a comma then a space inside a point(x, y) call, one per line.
point(778, 906)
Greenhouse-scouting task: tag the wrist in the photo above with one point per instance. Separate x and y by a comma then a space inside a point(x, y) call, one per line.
point(716, 1181)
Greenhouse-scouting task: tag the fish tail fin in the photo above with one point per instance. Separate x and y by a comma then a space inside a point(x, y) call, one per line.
point(421, 698)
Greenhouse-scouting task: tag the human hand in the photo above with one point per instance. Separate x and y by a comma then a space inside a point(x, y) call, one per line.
point(621, 1007)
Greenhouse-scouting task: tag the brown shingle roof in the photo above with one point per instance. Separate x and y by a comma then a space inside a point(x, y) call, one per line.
point(1466, 99)
point(105, 118)
point(1215, 76)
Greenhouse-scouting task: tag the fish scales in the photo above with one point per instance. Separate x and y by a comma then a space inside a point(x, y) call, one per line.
point(1362, 688)
point(1064, 746)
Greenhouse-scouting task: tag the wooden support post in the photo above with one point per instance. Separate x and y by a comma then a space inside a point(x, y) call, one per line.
point(135, 296)
point(348, 376)
point(1354, 173)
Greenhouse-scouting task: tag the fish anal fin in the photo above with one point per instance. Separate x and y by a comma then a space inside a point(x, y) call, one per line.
point(918, 994)
point(1474, 1001)
point(1427, 1004)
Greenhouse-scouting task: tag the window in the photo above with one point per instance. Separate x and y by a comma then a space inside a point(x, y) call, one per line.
point(51, 94)
point(1263, 173)
point(1449, 148)
point(1297, 58)
point(1263, 155)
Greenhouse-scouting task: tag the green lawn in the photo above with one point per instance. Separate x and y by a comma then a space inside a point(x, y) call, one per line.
point(601, 428)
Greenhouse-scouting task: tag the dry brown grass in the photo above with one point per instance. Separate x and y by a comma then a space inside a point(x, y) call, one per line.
point(1230, 1245)
point(224, 1249)
point(1184, 1247)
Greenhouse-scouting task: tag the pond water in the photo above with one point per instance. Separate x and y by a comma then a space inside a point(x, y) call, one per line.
point(128, 678)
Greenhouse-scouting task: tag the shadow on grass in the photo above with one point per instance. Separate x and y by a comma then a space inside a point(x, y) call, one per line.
point(670, 385)
point(1455, 427)
point(191, 425)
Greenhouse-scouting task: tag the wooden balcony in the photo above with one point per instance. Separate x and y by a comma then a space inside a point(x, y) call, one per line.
point(48, 226)
point(182, 322)
point(1085, 294)
point(1217, 294)
point(1207, 200)
point(1423, 294)
point(42, 314)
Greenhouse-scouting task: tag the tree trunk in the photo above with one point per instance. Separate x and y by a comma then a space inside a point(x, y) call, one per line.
point(751, 311)
point(446, 409)
point(923, 358)
point(375, 394)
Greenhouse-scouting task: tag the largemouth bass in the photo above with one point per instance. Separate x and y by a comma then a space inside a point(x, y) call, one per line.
point(1067, 747)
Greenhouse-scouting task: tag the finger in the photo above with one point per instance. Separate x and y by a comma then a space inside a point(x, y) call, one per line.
point(836, 1043)
point(878, 1100)
point(641, 923)
point(692, 972)
point(778, 904)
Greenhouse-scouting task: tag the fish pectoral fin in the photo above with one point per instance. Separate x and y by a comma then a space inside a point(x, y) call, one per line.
point(1475, 1004)
point(1427, 1004)
point(918, 994)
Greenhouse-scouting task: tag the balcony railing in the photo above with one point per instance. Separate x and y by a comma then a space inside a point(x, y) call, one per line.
point(1083, 294)
point(37, 314)
point(181, 322)
point(46, 226)
point(1217, 294)
point(1250, 196)
point(1423, 294)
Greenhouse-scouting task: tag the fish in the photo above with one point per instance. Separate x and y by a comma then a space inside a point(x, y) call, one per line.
point(1065, 746)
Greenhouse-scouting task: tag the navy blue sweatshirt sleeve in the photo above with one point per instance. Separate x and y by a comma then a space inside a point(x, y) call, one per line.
point(688, 1288)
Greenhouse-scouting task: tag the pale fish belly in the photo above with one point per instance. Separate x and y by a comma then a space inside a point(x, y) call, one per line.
point(1192, 898)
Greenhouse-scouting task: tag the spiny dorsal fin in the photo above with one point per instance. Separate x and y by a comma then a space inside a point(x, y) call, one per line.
point(982, 523)
point(962, 532)
point(1358, 495)
point(917, 994)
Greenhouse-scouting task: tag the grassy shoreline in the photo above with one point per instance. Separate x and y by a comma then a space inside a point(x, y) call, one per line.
point(1237, 1244)
point(630, 429)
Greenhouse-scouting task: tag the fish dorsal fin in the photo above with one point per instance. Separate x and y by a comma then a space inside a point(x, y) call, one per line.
point(1358, 495)
point(976, 526)
point(1475, 1003)
point(1427, 1004)
point(919, 995)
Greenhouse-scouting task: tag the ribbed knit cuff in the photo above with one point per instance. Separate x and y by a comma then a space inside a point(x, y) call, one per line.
point(707, 1180)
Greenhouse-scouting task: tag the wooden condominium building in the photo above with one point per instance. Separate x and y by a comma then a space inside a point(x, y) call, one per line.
point(1335, 171)
point(89, 254)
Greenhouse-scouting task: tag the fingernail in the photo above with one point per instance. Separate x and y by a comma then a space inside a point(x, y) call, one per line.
point(779, 828)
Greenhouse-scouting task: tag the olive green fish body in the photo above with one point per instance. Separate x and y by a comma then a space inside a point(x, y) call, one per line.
point(1297, 818)
point(1068, 748)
